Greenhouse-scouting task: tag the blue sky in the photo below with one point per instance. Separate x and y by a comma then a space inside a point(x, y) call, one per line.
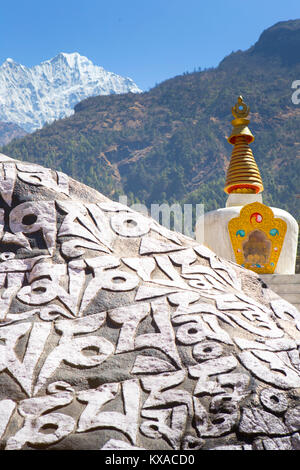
point(148, 41)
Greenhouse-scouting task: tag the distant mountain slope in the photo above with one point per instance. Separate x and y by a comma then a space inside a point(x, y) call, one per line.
point(30, 97)
point(170, 143)
point(10, 131)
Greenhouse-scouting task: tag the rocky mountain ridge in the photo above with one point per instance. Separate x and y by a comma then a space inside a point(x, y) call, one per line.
point(31, 97)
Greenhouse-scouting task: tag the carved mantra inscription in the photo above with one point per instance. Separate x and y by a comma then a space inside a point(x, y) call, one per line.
point(89, 288)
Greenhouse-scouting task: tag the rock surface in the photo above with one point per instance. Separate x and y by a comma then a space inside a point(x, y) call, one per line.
point(116, 333)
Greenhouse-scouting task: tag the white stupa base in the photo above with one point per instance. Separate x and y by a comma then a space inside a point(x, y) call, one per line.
point(215, 235)
point(240, 199)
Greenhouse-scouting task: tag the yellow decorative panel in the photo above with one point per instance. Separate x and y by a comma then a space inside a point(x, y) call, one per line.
point(257, 238)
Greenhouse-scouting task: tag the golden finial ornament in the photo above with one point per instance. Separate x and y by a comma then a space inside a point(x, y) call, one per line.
point(240, 109)
point(243, 175)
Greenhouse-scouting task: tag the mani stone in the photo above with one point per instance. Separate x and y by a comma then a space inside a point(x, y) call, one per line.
point(116, 333)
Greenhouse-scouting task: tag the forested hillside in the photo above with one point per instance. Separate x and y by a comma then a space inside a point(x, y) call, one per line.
point(9, 131)
point(169, 144)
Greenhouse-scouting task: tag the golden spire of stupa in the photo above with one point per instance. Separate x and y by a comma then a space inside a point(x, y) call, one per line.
point(243, 175)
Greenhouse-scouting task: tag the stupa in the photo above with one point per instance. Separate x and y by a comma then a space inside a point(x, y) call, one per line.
point(248, 232)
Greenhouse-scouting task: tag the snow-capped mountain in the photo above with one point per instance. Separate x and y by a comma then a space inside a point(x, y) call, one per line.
point(30, 97)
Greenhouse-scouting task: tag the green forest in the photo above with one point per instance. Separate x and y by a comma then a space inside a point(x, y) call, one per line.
point(169, 144)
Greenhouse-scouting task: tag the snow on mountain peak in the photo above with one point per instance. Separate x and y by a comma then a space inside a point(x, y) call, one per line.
point(32, 96)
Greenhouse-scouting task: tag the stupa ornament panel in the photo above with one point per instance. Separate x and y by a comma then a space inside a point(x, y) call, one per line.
point(257, 238)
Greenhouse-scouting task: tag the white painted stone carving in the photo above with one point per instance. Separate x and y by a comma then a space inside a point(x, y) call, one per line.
point(151, 245)
point(114, 327)
point(33, 410)
point(162, 392)
point(129, 317)
point(130, 224)
point(127, 423)
point(7, 181)
point(115, 444)
point(274, 400)
point(143, 266)
point(156, 426)
point(107, 277)
point(75, 248)
point(72, 345)
point(208, 369)
point(45, 285)
point(165, 339)
point(151, 365)
point(29, 217)
point(256, 421)
point(269, 368)
point(7, 408)
point(284, 310)
point(23, 370)
point(39, 176)
point(215, 425)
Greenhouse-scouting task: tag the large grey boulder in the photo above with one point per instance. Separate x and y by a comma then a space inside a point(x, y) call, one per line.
point(116, 333)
